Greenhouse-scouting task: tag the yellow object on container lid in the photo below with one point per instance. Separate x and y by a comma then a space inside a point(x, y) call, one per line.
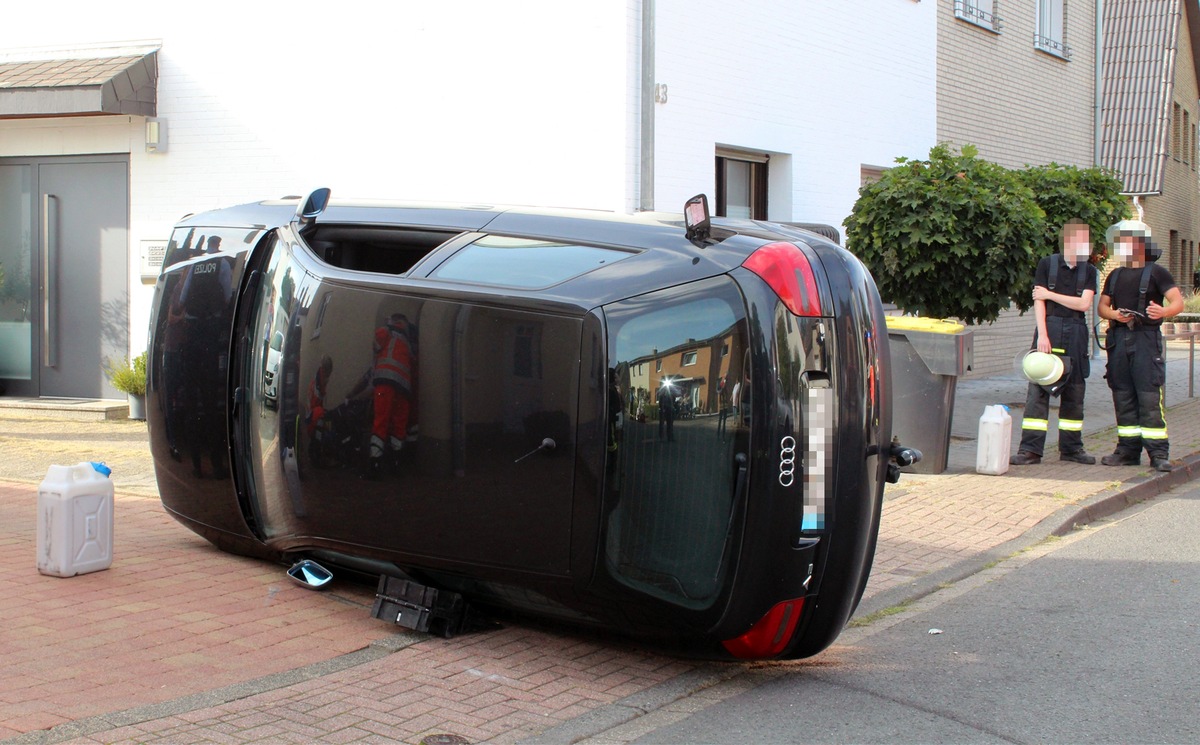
point(931, 325)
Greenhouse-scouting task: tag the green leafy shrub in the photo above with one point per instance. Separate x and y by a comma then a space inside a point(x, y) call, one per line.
point(1191, 303)
point(128, 377)
point(1071, 193)
point(960, 237)
point(954, 236)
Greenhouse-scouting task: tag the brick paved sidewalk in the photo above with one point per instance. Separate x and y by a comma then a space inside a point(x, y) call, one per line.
point(179, 642)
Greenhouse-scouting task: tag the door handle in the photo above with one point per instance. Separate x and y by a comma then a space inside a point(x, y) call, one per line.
point(50, 280)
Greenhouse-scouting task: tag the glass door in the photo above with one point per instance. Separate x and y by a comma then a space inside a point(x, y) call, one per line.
point(16, 289)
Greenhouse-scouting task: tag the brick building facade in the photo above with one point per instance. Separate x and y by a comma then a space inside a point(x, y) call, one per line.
point(1017, 79)
point(1150, 118)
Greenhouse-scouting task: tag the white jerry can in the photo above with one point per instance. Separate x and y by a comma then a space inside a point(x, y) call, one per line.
point(995, 440)
point(75, 520)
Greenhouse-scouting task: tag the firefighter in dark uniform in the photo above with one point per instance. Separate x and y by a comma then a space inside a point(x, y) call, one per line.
point(1063, 287)
point(1132, 301)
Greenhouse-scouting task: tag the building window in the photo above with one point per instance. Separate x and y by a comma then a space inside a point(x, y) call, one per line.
point(688, 359)
point(1175, 144)
point(1193, 150)
point(1048, 35)
point(741, 185)
point(1192, 263)
point(1186, 150)
point(979, 12)
point(658, 365)
point(1174, 260)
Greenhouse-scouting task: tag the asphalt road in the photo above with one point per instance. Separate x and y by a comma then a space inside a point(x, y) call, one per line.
point(1091, 638)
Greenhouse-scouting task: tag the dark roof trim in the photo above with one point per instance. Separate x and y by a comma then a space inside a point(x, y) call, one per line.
point(87, 82)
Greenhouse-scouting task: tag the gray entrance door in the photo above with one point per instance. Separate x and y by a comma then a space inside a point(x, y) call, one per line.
point(74, 255)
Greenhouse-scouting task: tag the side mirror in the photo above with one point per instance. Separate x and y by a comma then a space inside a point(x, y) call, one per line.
point(696, 218)
point(310, 574)
point(313, 205)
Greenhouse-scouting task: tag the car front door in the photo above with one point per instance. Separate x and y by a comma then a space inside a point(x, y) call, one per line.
point(407, 423)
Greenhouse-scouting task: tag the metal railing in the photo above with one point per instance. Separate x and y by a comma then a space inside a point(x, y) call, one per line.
point(1053, 46)
point(1191, 337)
point(969, 11)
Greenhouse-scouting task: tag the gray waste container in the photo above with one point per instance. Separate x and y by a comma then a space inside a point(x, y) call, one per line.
point(928, 356)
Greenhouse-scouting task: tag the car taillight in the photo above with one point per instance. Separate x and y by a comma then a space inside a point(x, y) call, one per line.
point(785, 268)
point(770, 635)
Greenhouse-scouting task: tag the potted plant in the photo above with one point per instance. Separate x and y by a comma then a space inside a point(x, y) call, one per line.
point(130, 378)
point(1191, 312)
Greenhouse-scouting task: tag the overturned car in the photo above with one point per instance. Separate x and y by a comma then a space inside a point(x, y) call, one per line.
point(671, 426)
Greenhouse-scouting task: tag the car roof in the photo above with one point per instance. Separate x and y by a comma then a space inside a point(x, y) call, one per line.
point(628, 230)
point(665, 255)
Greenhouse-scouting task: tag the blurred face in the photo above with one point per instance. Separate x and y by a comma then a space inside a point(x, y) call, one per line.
point(1077, 244)
point(1123, 249)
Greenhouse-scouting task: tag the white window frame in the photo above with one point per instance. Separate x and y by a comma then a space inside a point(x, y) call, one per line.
point(982, 13)
point(1050, 33)
point(689, 358)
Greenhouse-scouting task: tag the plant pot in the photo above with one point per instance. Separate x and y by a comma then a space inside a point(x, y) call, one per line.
point(137, 407)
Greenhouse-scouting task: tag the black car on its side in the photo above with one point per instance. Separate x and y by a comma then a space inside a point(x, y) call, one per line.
point(672, 426)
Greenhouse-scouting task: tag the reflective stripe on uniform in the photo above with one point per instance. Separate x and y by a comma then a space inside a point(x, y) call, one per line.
point(1070, 425)
point(1035, 424)
point(1129, 431)
point(1154, 433)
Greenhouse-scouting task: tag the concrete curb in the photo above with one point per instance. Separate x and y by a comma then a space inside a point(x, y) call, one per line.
point(1061, 522)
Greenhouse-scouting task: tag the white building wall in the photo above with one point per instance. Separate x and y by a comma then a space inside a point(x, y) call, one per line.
point(535, 102)
point(471, 101)
point(830, 86)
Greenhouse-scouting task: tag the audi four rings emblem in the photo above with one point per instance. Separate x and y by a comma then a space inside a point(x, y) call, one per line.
point(787, 461)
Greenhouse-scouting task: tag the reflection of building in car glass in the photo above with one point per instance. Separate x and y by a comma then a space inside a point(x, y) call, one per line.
point(270, 385)
point(677, 431)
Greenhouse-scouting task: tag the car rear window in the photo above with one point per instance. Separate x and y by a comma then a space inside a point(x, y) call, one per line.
point(523, 262)
point(679, 418)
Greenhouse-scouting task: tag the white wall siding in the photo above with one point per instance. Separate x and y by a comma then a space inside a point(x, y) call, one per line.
point(831, 85)
point(537, 102)
point(525, 103)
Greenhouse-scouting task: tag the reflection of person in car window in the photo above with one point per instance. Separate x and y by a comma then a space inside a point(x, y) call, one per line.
point(616, 406)
point(722, 406)
point(666, 410)
point(204, 299)
point(392, 377)
point(316, 394)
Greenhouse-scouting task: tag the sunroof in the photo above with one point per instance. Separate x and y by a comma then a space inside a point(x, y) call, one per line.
point(521, 262)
